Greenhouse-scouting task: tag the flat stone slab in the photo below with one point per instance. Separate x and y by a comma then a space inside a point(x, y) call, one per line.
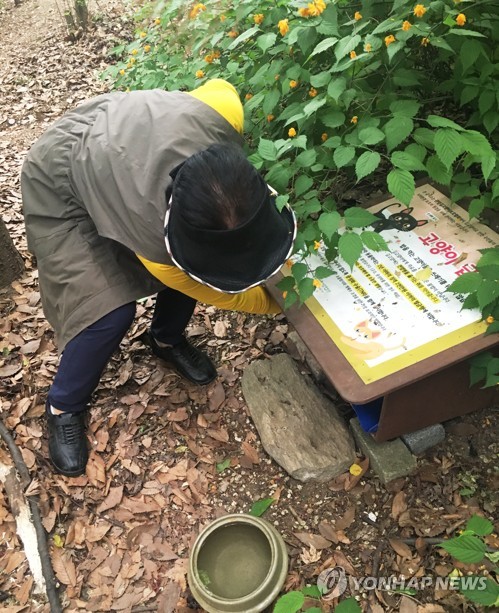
point(389, 460)
point(298, 426)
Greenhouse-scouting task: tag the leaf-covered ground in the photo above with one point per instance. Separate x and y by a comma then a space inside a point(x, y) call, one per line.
point(167, 457)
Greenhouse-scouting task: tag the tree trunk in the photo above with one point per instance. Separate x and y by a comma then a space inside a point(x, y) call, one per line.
point(11, 264)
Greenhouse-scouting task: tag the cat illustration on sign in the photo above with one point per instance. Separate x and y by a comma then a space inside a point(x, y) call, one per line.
point(364, 342)
point(402, 220)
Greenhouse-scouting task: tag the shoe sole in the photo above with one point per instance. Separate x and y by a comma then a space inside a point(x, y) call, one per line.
point(68, 473)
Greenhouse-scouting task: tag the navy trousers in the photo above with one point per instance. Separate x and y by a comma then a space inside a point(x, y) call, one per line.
point(86, 355)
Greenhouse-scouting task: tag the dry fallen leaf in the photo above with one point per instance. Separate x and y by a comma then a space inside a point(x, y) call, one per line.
point(63, 565)
point(401, 548)
point(312, 540)
point(112, 499)
point(399, 504)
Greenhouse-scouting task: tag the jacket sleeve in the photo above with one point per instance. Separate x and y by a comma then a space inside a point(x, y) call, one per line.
point(255, 300)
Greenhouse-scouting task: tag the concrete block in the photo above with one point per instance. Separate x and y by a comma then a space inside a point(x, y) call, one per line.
point(421, 440)
point(389, 460)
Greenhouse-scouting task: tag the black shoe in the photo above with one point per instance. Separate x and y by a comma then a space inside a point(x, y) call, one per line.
point(68, 442)
point(190, 361)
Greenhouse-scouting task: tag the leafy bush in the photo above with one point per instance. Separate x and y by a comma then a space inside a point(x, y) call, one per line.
point(341, 93)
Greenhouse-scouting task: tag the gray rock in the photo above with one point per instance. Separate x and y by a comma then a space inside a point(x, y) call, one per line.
point(389, 460)
point(421, 440)
point(298, 426)
point(307, 356)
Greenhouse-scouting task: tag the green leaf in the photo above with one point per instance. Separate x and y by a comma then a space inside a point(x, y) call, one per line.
point(371, 136)
point(291, 298)
point(336, 87)
point(267, 149)
point(487, 292)
point(476, 207)
point(374, 241)
point(324, 45)
point(350, 247)
point(320, 79)
point(306, 158)
point(299, 270)
point(221, 466)
point(286, 284)
point(312, 106)
point(424, 137)
point(462, 32)
point(488, 165)
point(397, 130)
point(401, 185)
point(302, 184)
point(406, 108)
point(437, 171)
point(350, 605)
point(466, 283)
point(447, 145)
point(417, 151)
point(322, 272)
point(357, 217)
point(265, 41)
point(279, 176)
point(487, 596)
point(270, 101)
point(486, 100)
point(290, 603)
point(329, 223)
point(244, 36)
point(333, 119)
point(306, 288)
point(436, 121)
point(259, 507)
point(469, 53)
point(491, 121)
point(367, 163)
point(346, 44)
point(480, 525)
point(406, 161)
point(466, 548)
point(475, 143)
point(343, 155)
point(311, 590)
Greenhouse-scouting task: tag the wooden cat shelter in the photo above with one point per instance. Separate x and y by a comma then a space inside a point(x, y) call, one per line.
point(425, 384)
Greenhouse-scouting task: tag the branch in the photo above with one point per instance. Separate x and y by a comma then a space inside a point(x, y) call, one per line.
point(30, 527)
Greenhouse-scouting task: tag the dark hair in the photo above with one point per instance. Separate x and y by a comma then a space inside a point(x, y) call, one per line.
point(218, 189)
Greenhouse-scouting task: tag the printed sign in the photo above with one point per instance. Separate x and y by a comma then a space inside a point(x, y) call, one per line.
point(392, 309)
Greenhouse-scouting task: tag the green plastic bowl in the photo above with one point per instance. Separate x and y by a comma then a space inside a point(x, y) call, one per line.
point(238, 564)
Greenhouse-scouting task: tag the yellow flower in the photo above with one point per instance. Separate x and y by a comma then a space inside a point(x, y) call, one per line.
point(276, 78)
point(324, 137)
point(216, 54)
point(406, 26)
point(354, 119)
point(425, 41)
point(199, 74)
point(312, 92)
point(147, 48)
point(232, 34)
point(419, 10)
point(143, 34)
point(248, 96)
point(270, 118)
point(258, 18)
point(291, 132)
point(208, 58)
point(283, 26)
point(293, 84)
point(353, 55)
point(122, 71)
point(368, 47)
point(196, 9)
point(389, 39)
point(461, 19)
point(317, 283)
point(490, 319)
point(157, 21)
point(316, 8)
point(289, 263)
point(284, 294)
point(135, 51)
point(357, 16)
point(222, 18)
point(304, 12)
point(355, 470)
point(317, 245)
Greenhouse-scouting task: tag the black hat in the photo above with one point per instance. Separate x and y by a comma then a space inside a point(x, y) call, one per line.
point(236, 259)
